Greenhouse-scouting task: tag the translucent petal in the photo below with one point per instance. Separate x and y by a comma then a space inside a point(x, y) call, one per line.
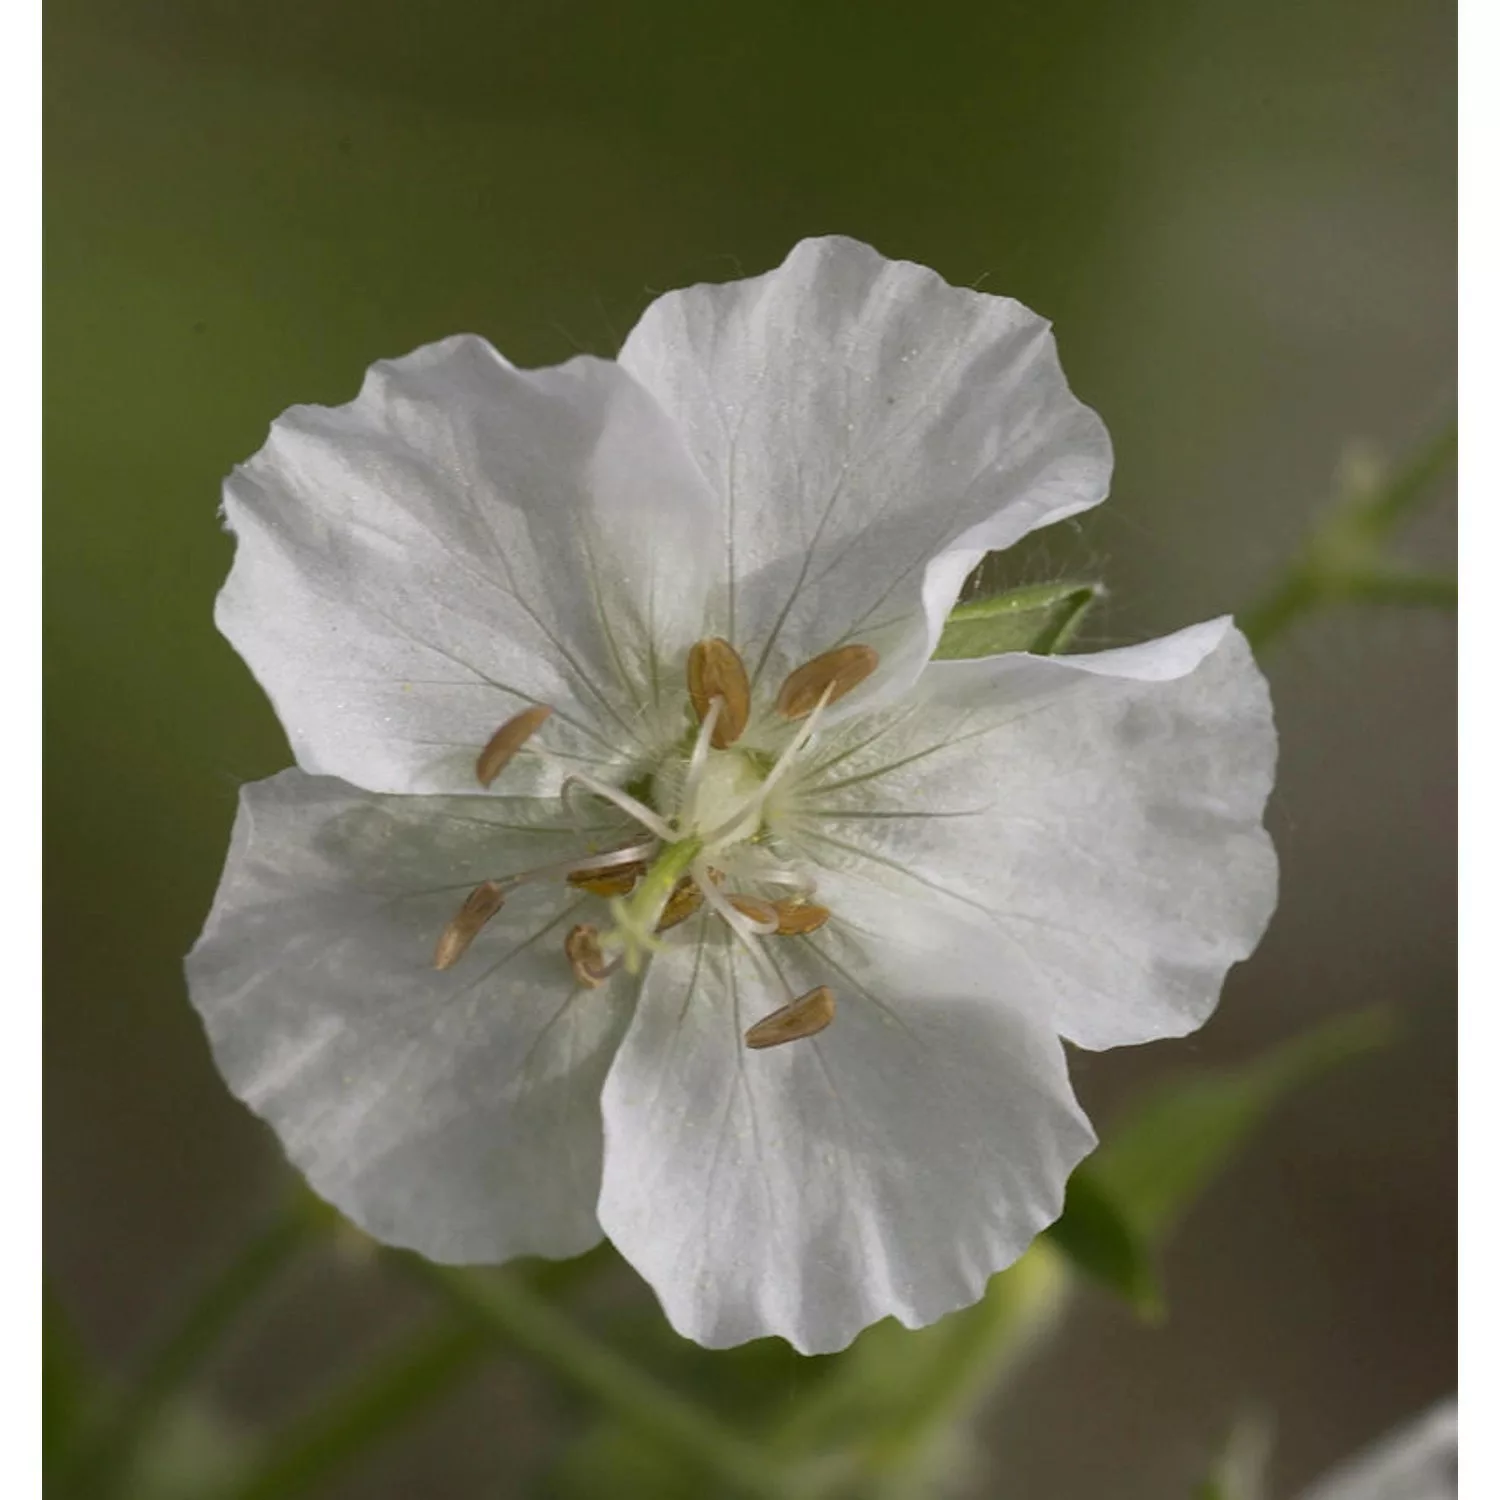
point(886, 1166)
point(461, 541)
point(1095, 820)
point(870, 431)
point(455, 1113)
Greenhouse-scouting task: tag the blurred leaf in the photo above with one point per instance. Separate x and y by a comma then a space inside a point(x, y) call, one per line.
point(1040, 618)
point(1167, 1149)
point(1099, 1238)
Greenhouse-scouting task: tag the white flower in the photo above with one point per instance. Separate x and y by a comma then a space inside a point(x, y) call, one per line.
point(793, 471)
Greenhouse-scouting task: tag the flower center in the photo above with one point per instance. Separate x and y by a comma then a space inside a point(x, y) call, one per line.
point(716, 847)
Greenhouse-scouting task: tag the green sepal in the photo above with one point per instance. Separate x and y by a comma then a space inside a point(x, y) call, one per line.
point(1101, 1240)
point(1040, 618)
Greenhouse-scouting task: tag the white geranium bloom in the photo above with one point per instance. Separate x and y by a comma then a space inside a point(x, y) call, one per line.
point(776, 492)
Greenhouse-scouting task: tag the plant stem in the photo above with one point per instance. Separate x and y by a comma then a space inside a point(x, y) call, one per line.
point(506, 1308)
point(1405, 488)
point(1342, 558)
point(999, 1332)
point(1396, 586)
point(363, 1412)
point(103, 1463)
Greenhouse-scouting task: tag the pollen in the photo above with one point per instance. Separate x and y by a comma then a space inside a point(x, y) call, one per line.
point(805, 1016)
point(714, 670)
point(586, 957)
point(479, 906)
point(825, 679)
point(508, 739)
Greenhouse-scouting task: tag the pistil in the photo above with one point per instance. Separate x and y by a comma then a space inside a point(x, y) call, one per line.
point(636, 916)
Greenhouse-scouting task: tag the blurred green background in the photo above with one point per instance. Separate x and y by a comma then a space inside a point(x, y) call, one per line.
point(1240, 217)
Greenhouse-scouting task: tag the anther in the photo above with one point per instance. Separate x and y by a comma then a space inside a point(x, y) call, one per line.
point(480, 905)
point(834, 673)
point(507, 739)
point(586, 957)
point(805, 1016)
point(618, 882)
point(763, 913)
point(797, 918)
point(681, 904)
point(714, 670)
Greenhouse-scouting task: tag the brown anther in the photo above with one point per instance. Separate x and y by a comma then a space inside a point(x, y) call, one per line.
point(805, 1016)
point(479, 906)
point(507, 739)
point(714, 670)
point(753, 907)
point(835, 673)
point(681, 904)
point(796, 918)
point(619, 881)
point(586, 957)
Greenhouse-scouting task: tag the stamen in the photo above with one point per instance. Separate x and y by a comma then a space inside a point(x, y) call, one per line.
point(479, 906)
point(835, 673)
point(507, 739)
point(625, 802)
point(681, 904)
point(805, 1016)
point(608, 882)
point(741, 923)
point(796, 918)
point(586, 957)
point(716, 673)
point(591, 866)
point(762, 913)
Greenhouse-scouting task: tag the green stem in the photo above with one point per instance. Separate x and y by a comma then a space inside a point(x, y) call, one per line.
point(508, 1309)
point(998, 1334)
point(1295, 596)
point(1396, 586)
point(1404, 490)
point(877, 1421)
point(362, 1413)
point(1341, 560)
point(105, 1462)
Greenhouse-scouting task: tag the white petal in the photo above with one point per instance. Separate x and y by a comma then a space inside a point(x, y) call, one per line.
point(1419, 1461)
point(871, 432)
point(1096, 819)
point(461, 541)
point(454, 1113)
point(887, 1166)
